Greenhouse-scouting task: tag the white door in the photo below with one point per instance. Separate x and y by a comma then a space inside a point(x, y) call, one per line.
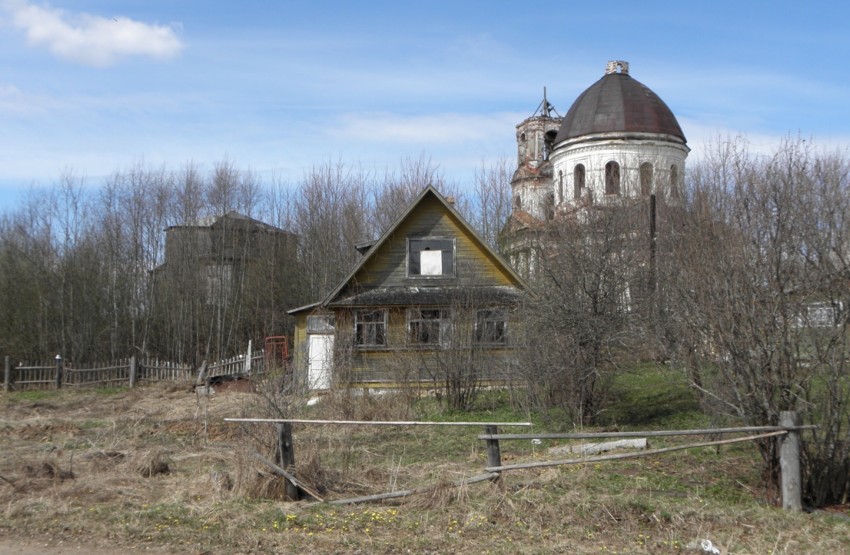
point(319, 360)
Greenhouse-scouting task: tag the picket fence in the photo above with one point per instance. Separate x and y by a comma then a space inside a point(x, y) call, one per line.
point(124, 372)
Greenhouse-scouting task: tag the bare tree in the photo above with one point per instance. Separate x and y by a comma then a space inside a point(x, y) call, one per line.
point(586, 318)
point(331, 214)
point(492, 200)
point(764, 292)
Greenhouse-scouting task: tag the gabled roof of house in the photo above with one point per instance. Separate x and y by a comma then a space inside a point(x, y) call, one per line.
point(233, 218)
point(428, 192)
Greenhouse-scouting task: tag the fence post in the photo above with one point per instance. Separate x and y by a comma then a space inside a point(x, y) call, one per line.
point(248, 359)
point(58, 377)
point(133, 371)
point(7, 374)
point(789, 462)
point(286, 456)
point(494, 455)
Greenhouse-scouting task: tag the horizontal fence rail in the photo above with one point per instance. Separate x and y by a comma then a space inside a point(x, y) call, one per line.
point(373, 422)
point(659, 433)
point(33, 377)
point(100, 375)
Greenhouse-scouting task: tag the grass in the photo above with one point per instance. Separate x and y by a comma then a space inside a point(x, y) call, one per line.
point(214, 498)
point(32, 395)
point(653, 395)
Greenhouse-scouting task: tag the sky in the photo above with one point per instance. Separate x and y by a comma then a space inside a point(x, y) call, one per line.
point(91, 87)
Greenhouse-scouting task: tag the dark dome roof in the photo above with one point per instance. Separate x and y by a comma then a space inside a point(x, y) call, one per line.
point(618, 103)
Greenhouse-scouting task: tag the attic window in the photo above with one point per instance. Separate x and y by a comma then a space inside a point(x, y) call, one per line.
point(430, 256)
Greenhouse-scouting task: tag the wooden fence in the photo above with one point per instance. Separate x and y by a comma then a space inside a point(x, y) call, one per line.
point(124, 373)
point(787, 433)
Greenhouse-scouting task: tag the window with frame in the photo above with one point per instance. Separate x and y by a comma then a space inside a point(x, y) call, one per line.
point(430, 256)
point(320, 323)
point(491, 326)
point(370, 328)
point(430, 326)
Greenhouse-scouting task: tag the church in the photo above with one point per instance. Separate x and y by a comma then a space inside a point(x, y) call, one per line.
point(618, 142)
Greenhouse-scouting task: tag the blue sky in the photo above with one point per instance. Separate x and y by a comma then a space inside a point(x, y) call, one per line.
point(95, 86)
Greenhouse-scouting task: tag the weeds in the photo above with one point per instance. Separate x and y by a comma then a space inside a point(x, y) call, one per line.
point(214, 497)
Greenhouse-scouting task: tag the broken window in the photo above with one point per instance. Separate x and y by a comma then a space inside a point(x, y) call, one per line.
point(430, 256)
point(674, 182)
point(429, 326)
point(612, 178)
point(491, 326)
point(370, 327)
point(578, 181)
point(645, 179)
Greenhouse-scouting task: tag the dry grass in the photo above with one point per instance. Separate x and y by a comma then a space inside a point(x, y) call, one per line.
point(157, 467)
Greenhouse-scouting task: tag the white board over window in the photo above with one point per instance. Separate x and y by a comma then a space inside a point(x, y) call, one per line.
point(431, 263)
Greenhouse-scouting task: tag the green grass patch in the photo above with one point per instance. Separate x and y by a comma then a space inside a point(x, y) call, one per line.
point(652, 395)
point(32, 395)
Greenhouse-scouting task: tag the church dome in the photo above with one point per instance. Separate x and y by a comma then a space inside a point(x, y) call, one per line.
point(617, 103)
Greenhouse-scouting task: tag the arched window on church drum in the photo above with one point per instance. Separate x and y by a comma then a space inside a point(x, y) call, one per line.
point(561, 185)
point(612, 178)
point(645, 179)
point(578, 181)
point(674, 181)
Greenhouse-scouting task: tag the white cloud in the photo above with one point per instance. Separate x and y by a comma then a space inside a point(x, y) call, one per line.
point(90, 39)
point(702, 137)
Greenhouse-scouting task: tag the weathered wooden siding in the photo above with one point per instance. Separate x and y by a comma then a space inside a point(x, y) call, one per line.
point(398, 367)
point(474, 266)
point(401, 362)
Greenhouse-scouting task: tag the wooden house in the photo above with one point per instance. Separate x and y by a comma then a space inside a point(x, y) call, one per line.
point(428, 302)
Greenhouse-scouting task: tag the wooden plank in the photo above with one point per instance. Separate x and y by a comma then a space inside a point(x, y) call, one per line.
point(292, 479)
point(375, 422)
point(662, 433)
point(563, 462)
